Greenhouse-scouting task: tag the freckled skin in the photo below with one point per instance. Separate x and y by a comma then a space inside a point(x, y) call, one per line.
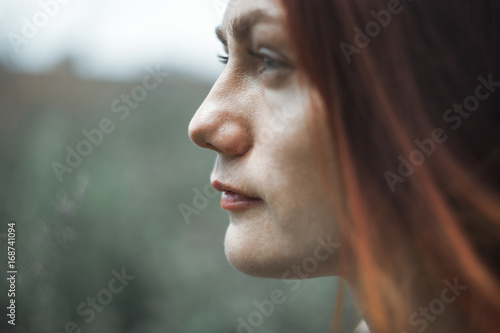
point(267, 155)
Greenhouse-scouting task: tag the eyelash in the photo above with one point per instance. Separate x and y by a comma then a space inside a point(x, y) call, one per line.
point(223, 59)
point(265, 59)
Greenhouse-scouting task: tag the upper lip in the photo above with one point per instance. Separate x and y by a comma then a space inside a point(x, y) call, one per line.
point(219, 186)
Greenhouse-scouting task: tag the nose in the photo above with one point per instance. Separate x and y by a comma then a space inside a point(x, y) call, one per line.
point(222, 122)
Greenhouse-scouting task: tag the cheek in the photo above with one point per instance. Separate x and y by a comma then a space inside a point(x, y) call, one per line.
point(275, 242)
point(289, 170)
point(296, 216)
point(269, 241)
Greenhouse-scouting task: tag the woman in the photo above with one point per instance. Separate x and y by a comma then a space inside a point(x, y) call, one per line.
point(361, 139)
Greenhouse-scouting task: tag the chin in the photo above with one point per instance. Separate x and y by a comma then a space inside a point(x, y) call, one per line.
point(264, 256)
point(254, 256)
point(247, 260)
point(255, 265)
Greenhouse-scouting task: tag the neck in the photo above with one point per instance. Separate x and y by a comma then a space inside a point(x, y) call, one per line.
point(430, 312)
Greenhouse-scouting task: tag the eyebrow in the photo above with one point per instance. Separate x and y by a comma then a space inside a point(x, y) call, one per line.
point(240, 27)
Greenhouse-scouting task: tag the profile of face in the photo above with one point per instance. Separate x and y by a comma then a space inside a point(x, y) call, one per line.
point(257, 118)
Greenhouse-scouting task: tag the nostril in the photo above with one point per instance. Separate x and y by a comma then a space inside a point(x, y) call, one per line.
point(212, 147)
point(243, 147)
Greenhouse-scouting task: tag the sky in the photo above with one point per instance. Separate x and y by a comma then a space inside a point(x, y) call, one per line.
point(112, 39)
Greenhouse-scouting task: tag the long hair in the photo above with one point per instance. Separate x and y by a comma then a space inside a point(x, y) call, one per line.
point(411, 93)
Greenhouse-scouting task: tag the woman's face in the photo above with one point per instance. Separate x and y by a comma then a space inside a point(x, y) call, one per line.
point(258, 118)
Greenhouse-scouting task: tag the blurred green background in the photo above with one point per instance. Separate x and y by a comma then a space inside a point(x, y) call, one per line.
point(104, 248)
point(119, 209)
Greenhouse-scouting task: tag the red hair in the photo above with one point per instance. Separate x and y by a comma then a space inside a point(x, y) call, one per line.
point(409, 91)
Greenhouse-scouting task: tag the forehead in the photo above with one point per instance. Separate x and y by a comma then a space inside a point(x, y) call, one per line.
point(237, 9)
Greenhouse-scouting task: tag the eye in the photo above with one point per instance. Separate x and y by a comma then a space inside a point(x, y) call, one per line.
point(271, 68)
point(223, 59)
point(268, 61)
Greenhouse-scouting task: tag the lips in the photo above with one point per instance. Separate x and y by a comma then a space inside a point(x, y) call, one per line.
point(233, 199)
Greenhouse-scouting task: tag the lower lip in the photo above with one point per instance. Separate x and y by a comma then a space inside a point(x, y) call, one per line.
point(236, 202)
